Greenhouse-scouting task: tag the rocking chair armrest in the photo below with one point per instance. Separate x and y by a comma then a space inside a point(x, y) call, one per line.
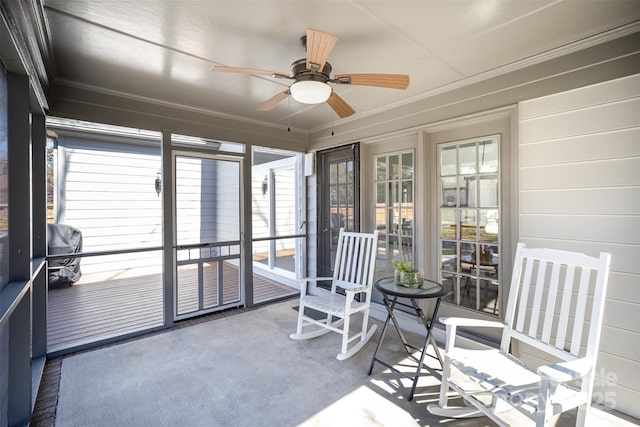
point(464, 321)
point(352, 288)
point(314, 279)
point(452, 324)
point(304, 281)
point(566, 371)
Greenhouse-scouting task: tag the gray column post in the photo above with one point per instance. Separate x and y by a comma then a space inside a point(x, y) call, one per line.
point(18, 136)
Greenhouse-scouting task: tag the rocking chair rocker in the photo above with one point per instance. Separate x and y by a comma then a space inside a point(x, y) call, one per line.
point(353, 275)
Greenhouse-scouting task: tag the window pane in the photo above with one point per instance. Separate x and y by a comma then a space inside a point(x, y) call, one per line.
point(488, 156)
point(407, 165)
point(488, 190)
point(448, 165)
point(449, 192)
point(467, 159)
point(380, 194)
point(489, 220)
point(394, 172)
point(449, 260)
point(448, 225)
point(407, 192)
point(395, 193)
point(468, 224)
point(381, 218)
point(381, 169)
point(467, 186)
point(342, 194)
point(342, 172)
point(333, 195)
point(467, 254)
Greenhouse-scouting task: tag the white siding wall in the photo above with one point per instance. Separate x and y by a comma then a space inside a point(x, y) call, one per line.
point(208, 200)
point(109, 195)
point(284, 172)
point(579, 189)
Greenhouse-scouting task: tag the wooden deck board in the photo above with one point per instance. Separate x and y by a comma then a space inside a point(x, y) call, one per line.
point(94, 311)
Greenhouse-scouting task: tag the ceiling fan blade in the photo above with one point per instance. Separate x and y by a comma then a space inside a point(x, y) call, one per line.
point(339, 105)
point(392, 81)
point(271, 102)
point(319, 47)
point(242, 70)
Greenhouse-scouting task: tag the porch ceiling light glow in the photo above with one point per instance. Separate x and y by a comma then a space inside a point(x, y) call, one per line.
point(310, 91)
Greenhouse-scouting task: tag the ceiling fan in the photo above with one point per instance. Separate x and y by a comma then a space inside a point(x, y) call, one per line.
point(312, 74)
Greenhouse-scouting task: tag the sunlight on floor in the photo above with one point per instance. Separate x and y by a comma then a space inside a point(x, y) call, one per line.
point(362, 407)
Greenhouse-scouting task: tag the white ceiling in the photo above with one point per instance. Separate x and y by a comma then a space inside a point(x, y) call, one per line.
point(163, 49)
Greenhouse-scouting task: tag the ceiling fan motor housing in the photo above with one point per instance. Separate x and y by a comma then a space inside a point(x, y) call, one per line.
point(300, 72)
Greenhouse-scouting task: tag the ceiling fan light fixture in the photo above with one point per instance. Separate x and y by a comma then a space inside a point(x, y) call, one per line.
point(310, 91)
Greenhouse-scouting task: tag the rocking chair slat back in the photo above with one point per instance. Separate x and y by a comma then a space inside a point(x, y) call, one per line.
point(544, 318)
point(566, 305)
point(355, 254)
point(551, 304)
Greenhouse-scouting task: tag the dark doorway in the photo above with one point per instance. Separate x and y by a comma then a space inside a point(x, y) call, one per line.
point(338, 200)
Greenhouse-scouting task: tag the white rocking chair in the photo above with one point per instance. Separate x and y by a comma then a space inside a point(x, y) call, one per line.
point(353, 274)
point(553, 295)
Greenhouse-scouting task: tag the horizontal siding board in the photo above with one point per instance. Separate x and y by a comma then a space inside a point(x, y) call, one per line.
point(601, 173)
point(146, 220)
point(96, 205)
point(78, 161)
point(95, 141)
point(620, 89)
point(624, 287)
point(99, 168)
point(107, 236)
point(600, 228)
point(624, 258)
point(605, 145)
point(115, 214)
point(110, 179)
point(617, 315)
point(582, 201)
point(143, 187)
point(141, 199)
point(601, 118)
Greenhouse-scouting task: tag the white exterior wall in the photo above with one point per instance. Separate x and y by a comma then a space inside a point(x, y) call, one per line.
point(579, 189)
point(208, 201)
point(284, 172)
point(109, 195)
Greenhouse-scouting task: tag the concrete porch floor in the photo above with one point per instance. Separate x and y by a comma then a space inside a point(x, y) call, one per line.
point(49, 393)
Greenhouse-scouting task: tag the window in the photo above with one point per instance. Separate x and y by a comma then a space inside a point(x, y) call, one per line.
point(394, 206)
point(468, 218)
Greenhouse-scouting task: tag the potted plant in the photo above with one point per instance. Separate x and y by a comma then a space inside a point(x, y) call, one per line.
point(406, 274)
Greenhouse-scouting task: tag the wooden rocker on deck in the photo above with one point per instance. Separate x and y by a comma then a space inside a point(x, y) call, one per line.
point(553, 296)
point(352, 276)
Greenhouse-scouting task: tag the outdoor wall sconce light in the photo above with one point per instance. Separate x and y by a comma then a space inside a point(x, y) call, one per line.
point(158, 184)
point(265, 186)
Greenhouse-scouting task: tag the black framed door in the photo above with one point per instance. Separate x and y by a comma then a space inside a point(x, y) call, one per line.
point(338, 200)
